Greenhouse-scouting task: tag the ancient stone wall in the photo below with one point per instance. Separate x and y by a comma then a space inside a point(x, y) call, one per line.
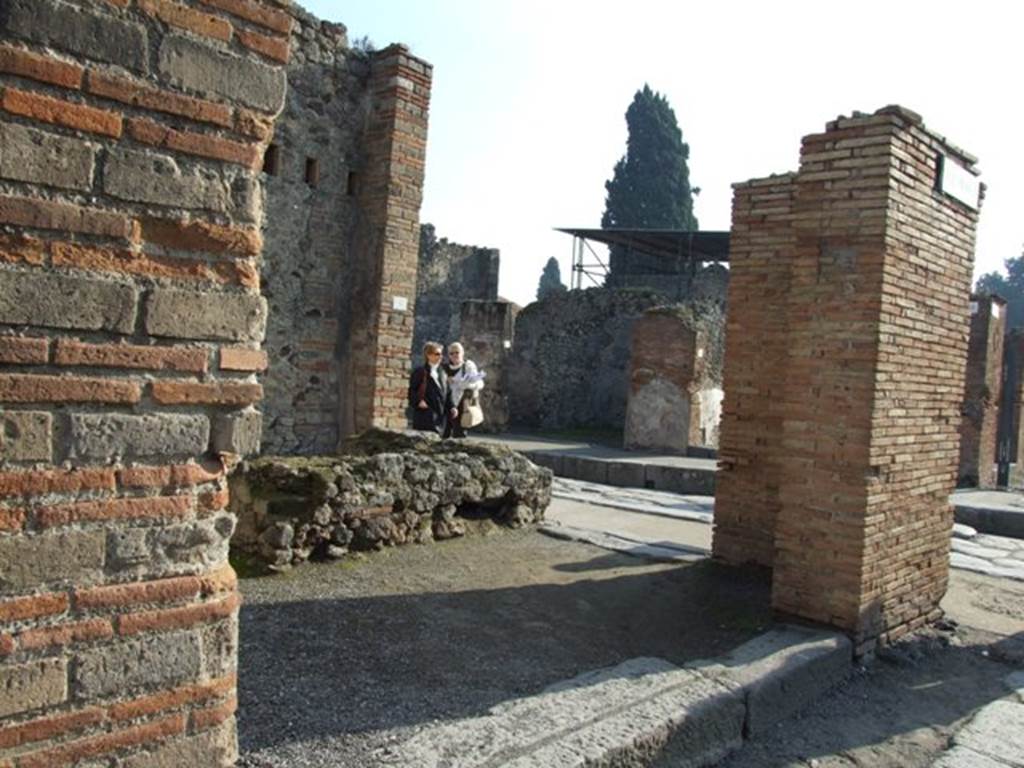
point(982, 393)
point(677, 279)
point(344, 176)
point(130, 325)
point(488, 334)
point(449, 274)
point(876, 344)
point(570, 362)
point(671, 403)
point(310, 174)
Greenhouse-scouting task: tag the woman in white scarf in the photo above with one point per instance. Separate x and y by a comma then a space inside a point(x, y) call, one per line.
point(465, 382)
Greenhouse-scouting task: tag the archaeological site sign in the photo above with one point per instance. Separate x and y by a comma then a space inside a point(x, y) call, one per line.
point(959, 183)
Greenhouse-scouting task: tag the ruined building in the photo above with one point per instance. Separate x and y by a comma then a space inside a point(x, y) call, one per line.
point(132, 139)
point(982, 393)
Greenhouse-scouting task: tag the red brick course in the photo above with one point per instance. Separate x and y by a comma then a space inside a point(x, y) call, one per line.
point(22, 63)
point(177, 618)
point(183, 17)
point(33, 606)
point(37, 483)
point(277, 48)
point(215, 393)
point(59, 112)
point(65, 634)
point(239, 359)
point(201, 236)
point(108, 742)
point(258, 13)
point(69, 352)
point(28, 388)
point(201, 145)
point(46, 214)
point(23, 350)
point(167, 507)
point(140, 94)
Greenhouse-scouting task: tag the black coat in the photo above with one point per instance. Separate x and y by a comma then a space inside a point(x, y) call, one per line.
point(438, 398)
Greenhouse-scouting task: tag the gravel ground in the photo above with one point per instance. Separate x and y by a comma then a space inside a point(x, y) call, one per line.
point(339, 660)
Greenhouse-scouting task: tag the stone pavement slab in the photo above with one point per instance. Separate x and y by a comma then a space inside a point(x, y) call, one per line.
point(997, 731)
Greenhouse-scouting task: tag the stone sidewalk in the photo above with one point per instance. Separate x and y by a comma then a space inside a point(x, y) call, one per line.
point(669, 526)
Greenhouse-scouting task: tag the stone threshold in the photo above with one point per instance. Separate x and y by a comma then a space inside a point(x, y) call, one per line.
point(643, 712)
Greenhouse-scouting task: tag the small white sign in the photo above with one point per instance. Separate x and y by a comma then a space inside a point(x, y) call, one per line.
point(974, 307)
point(957, 182)
point(507, 343)
point(399, 303)
point(995, 310)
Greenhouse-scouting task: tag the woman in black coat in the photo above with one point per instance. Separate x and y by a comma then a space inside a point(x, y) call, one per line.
point(429, 394)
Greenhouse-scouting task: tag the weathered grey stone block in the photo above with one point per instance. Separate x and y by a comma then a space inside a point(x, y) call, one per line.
point(157, 660)
point(195, 315)
point(45, 158)
point(220, 649)
point(26, 436)
point(195, 546)
point(996, 731)
point(151, 177)
point(779, 672)
point(238, 432)
point(31, 686)
point(27, 562)
point(97, 35)
point(218, 746)
point(211, 71)
point(59, 301)
point(626, 474)
point(101, 436)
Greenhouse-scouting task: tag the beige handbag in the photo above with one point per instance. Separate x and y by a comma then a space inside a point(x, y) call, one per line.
point(472, 414)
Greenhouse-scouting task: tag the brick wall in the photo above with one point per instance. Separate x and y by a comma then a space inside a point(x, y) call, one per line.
point(130, 325)
point(982, 392)
point(876, 342)
point(376, 358)
point(668, 374)
point(488, 329)
point(750, 438)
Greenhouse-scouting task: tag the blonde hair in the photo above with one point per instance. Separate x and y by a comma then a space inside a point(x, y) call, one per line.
point(456, 346)
point(432, 346)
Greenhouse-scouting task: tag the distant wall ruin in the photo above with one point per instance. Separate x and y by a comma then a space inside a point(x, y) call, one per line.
point(571, 358)
point(849, 318)
point(448, 275)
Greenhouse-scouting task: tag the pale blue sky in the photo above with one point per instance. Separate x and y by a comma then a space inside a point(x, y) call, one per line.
point(527, 111)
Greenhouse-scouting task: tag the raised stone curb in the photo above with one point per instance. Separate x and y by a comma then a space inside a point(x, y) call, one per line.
point(643, 712)
point(684, 480)
point(994, 520)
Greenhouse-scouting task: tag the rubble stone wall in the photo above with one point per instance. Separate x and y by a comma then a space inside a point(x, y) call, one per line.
point(570, 362)
point(310, 180)
point(130, 330)
point(982, 393)
point(449, 274)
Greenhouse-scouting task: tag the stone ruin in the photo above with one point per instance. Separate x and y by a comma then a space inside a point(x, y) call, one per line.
point(132, 264)
point(383, 489)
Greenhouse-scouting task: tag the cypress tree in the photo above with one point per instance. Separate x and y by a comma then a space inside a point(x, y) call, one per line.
point(650, 187)
point(550, 280)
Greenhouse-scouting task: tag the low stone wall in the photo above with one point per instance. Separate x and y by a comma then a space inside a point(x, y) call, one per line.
point(385, 489)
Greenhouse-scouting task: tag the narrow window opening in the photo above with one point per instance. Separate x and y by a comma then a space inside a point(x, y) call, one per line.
point(272, 160)
point(350, 186)
point(312, 171)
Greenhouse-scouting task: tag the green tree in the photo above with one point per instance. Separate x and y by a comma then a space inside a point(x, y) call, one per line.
point(550, 280)
point(1010, 286)
point(650, 187)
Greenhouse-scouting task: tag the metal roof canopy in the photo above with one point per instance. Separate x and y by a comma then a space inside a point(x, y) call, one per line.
point(695, 246)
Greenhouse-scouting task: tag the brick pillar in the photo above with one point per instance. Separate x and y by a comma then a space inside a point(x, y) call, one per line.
point(876, 341)
point(750, 438)
point(387, 242)
point(982, 392)
point(1010, 422)
point(666, 367)
point(488, 334)
point(130, 327)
